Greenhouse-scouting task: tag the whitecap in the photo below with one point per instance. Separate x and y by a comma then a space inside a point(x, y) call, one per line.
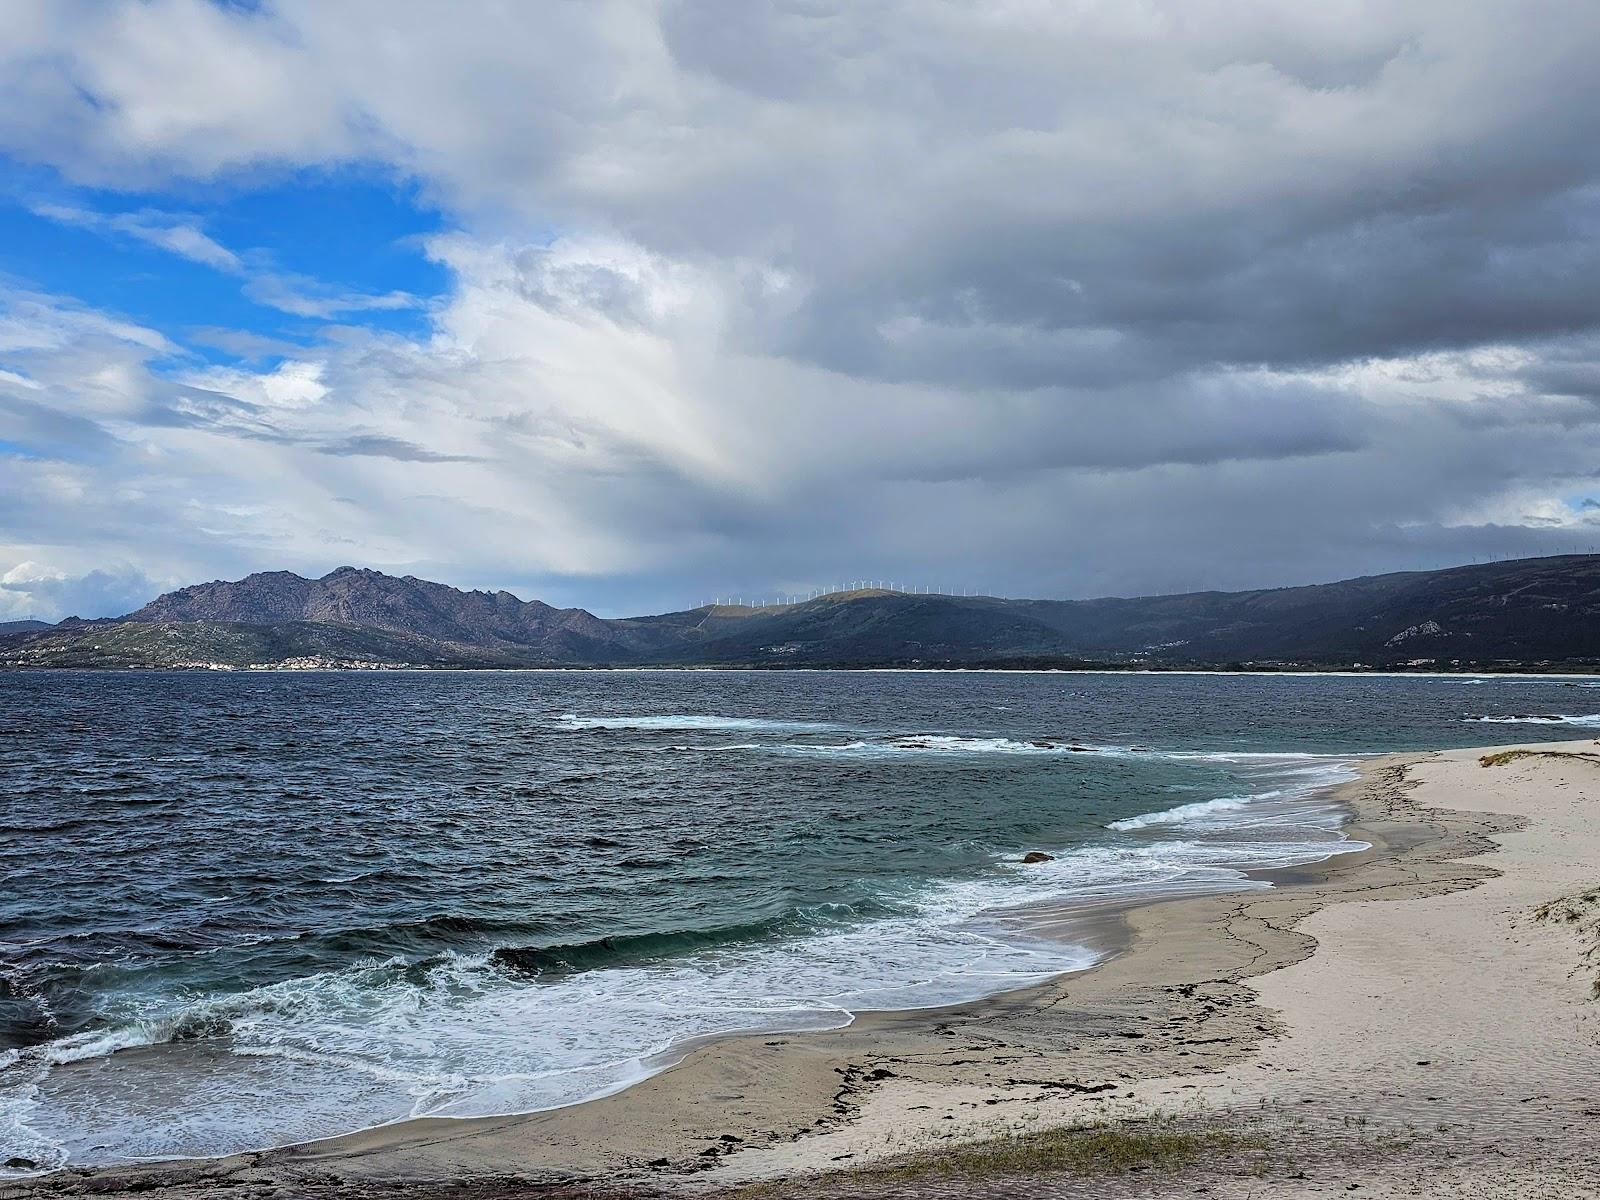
point(1301, 778)
point(1188, 812)
point(1587, 720)
point(684, 721)
point(943, 744)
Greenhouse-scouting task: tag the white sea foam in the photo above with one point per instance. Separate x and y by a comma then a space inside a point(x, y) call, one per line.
point(913, 743)
point(902, 744)
point(100, 1043)
point(470, 1037)
point(19, 1107)
point(685, 721)
point(1248, 756)
point(1588, 720)
point(1299, 777)
point(1188, 812)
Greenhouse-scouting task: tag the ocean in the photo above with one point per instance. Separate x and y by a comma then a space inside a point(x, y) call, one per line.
point(241, 910)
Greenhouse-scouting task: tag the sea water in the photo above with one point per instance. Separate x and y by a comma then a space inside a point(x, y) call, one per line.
point(249, 909)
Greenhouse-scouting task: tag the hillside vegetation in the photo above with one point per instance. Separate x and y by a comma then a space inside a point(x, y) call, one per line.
point(1539, 613)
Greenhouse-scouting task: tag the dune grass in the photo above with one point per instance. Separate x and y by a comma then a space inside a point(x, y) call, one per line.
point(1583, 911)
point(1096, 1150)
point(1501, 757)
point(1085, 1150)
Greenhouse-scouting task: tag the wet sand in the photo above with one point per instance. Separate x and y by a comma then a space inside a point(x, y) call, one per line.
point(1407, 1019)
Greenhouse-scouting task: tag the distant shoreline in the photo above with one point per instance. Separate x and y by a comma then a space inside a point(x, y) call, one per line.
point(1531, 615)
point(1519, 672)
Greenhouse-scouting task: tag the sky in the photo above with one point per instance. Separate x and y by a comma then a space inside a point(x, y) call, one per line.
point(629, 305)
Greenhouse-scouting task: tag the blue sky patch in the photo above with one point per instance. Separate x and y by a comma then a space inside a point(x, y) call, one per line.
point(273, 264)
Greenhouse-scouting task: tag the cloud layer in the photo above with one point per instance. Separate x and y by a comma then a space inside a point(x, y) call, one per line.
point(1042, 299)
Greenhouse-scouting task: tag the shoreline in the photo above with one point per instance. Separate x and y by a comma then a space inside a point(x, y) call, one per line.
point(1298, 672)
point(1095, 927)
point(1178, 1011)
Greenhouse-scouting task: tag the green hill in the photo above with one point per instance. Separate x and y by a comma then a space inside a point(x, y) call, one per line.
point(1541, 613)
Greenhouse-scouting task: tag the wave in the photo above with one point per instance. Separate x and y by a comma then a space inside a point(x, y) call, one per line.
point(1301, 778)
point(893, 745)
point(474, 1035)
point(685, 721)
point(937, 744)
point(641, 948)
point(220, 1015)
point(420, 935)
point(1188, 812)
point(1588, 720)
point(1250, 756)
point(210, 1017)
point(946, 744)
point(205, 1020)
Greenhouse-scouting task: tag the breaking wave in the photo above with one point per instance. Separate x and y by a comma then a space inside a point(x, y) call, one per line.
point(685, 721)
point(1589, 720)
point(935, 744)
point(1189, 812)
point(1301, 778)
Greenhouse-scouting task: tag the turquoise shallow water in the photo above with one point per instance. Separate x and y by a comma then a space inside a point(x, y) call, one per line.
point(247, 909)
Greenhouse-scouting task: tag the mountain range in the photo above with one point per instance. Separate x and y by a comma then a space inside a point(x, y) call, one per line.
point(1540, 613)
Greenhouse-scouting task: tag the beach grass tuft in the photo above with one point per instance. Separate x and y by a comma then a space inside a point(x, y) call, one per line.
point(1501, 757)
point(1104, 1150)
point(1087, 1150)
point(1583, 911)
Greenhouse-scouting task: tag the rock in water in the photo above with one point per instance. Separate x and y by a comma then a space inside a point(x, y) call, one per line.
point(1038, 856)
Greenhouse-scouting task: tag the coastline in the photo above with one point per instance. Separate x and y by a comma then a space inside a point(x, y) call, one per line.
point(1301, 671)
point(1185, 1017)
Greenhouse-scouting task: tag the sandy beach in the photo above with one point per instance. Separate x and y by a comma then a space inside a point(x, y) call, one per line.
point(1415, 1019)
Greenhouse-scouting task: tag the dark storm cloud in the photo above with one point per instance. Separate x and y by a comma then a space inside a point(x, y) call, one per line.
point(1041, 310)
point(1236, 188)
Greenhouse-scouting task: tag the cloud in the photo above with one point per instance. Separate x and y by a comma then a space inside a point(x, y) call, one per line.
point(302, 296)
point(176, 235)
point(1105, 297)
point(1001, 197)
point(378, 446)
point(29, 591)
point(298, 295)
point(242, 343)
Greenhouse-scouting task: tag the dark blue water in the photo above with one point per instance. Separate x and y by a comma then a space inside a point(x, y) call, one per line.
point(246, 909)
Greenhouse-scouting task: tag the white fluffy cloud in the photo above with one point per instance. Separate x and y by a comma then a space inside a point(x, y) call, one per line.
point(1057, 299)
point(31, 592)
